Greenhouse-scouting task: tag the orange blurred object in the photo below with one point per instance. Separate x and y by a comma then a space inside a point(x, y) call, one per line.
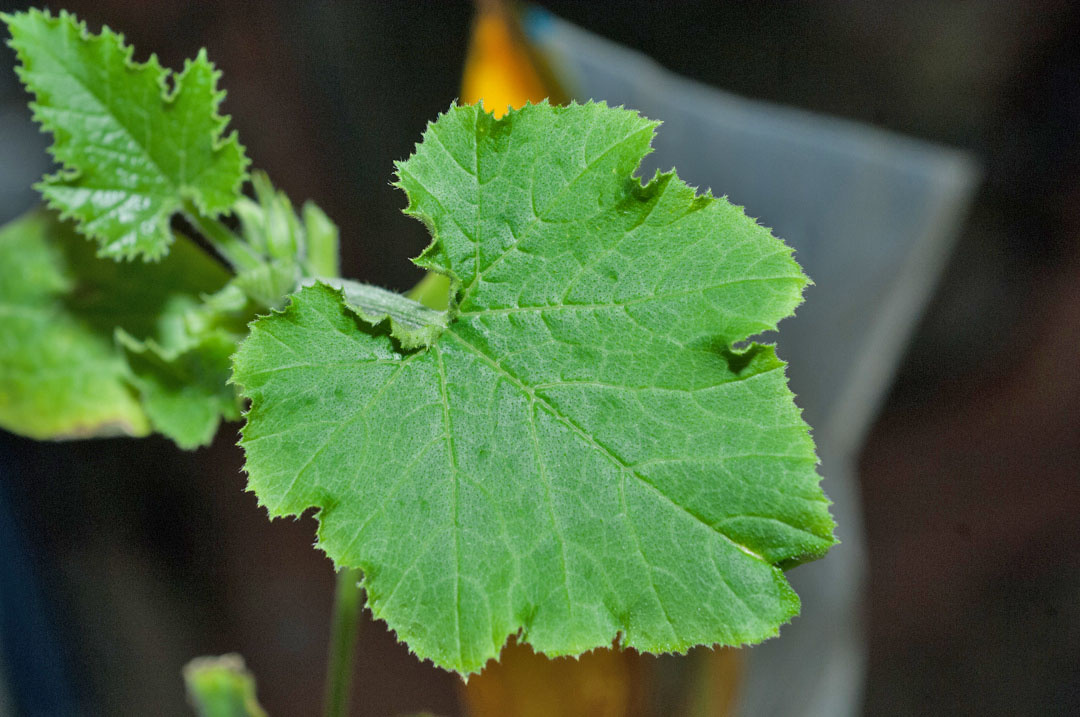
point(602, 683)
point(500, 68)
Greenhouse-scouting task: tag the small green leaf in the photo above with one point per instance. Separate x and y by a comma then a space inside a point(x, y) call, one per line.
point(269, 284)
point(270, 224)
point(136, 142)
point(183, 371)
point(185, 391)
point(578, 452)
point(61, 373)
point(221, 687)
point(322, 242)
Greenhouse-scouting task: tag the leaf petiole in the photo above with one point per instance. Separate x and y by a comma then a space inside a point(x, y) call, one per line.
point(348, 599)
point(232, 248)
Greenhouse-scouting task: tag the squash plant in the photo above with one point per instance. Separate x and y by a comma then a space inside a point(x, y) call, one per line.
point(572, 442)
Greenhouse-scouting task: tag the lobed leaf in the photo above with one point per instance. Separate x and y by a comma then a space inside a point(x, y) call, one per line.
point(135, 141)
point(576, 452)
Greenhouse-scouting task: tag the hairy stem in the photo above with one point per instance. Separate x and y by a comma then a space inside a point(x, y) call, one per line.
point(231, 247)
point(376, 302)
point(343, 632)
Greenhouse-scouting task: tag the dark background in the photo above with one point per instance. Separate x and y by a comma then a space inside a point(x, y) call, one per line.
point(147, 556)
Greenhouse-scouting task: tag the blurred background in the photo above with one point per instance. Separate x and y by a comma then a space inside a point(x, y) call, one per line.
point(923, 158)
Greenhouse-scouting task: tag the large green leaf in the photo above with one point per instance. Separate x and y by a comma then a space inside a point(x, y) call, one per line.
point(61, 373)
point(135, 141)
point(579, 451)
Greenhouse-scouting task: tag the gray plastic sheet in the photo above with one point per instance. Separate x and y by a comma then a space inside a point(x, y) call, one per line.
point(872, 216)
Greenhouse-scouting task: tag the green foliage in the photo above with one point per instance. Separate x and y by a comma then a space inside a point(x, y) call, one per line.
point(136, 142)
point(61, 373)
point(569, 439)
point(184, 390)
point(291, 246)
point(274, 229)
point(221, 687)
point(577, 450)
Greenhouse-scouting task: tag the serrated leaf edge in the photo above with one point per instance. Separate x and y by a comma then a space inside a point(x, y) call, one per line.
point(68, 172)
point(317, 510)
point(790, 598)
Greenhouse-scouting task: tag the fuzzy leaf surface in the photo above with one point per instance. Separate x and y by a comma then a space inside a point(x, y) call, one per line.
point(62, 374)
point(135, 141)
point(580, 454)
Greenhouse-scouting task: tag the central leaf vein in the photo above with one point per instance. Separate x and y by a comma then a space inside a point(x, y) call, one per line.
point(589, 439)
point(452, 455)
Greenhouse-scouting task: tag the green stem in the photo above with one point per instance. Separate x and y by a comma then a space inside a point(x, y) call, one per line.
point(347, 602)
point(231, 247)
